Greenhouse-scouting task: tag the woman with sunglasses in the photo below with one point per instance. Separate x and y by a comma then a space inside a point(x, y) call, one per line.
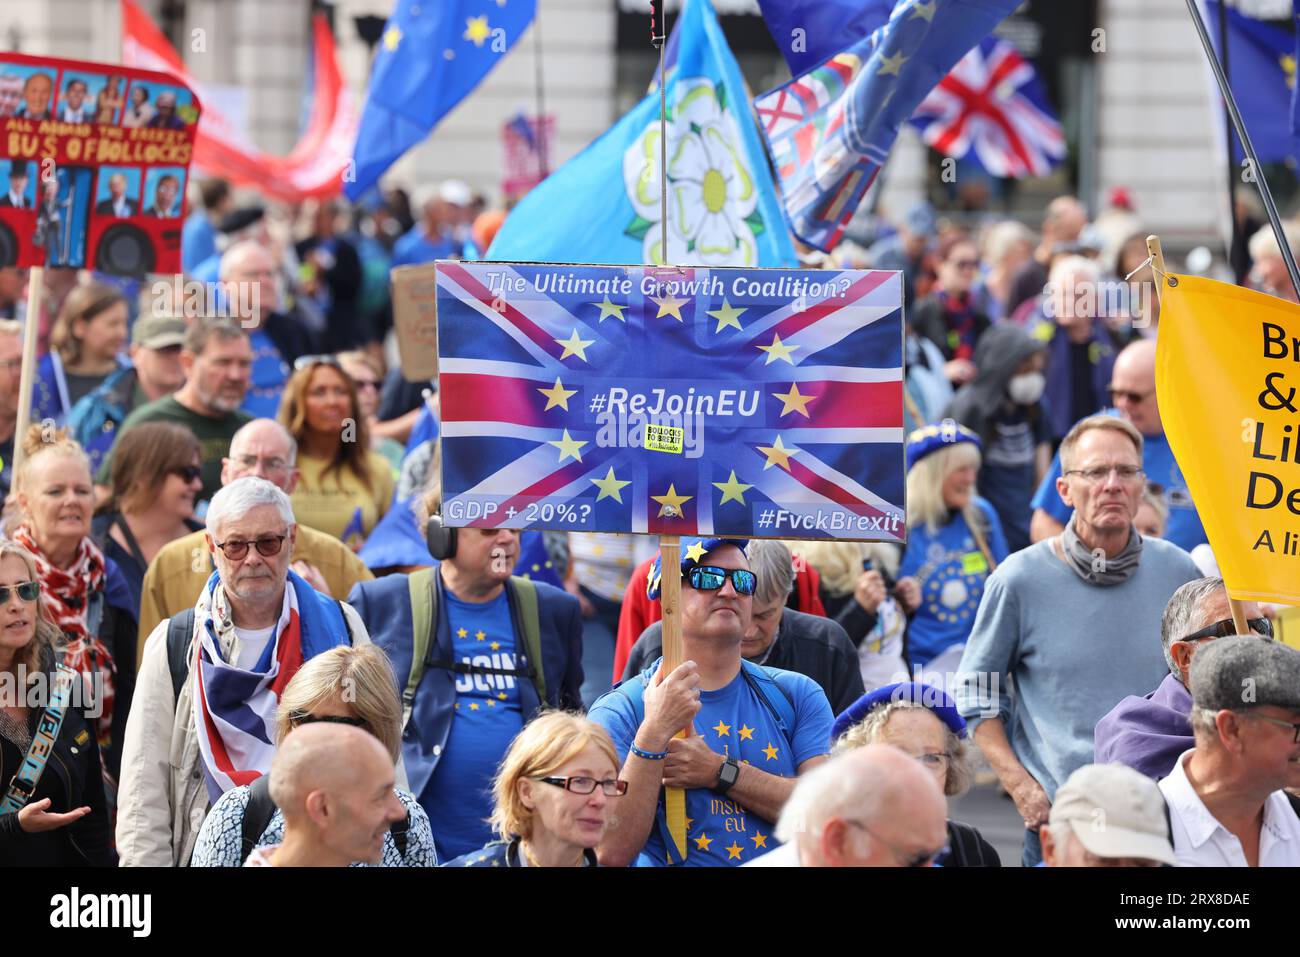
point(54, 816)
point(555, 793)
point(345, 488)
point(85, 594)
point(345, 685)
point(948, 317)
point(156, 477)
point(368, 378)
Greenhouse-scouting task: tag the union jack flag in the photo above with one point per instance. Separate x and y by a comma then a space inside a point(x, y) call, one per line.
point(776, 394)
point(830, 130)
point(993, 103)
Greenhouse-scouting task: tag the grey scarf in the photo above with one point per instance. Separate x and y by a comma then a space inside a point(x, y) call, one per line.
point(1092, 565)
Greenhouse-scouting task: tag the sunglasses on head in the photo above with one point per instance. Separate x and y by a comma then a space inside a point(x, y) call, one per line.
point(1222, 629)
point(267, 545)
point(307, 362)
point(304, 717)
point(27, 591)
point(711, 578)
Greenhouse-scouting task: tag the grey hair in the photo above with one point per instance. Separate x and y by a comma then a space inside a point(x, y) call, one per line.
point(771, 563)
point(1183, 616)
point(826, 792)
point(285, 433)
point(241, 496)
point(870, 730)
point(1062, 836)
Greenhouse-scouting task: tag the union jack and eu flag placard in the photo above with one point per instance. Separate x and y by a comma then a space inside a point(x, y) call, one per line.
point(672, 401)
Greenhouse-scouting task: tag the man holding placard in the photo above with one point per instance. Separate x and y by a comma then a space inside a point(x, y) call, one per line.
point(1069, 618)
point(752, 729)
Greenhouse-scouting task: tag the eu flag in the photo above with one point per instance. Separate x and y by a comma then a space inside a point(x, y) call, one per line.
point(810, 32)
point(433, 53)
point(1261, 69)
point(603, 206)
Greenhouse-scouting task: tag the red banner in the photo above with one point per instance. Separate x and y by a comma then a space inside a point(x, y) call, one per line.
point(317, 163)
point(94, 160)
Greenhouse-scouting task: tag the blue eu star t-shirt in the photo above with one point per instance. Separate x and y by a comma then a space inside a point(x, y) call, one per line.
point(486, 719)
point(266, 379)
point(733, 721)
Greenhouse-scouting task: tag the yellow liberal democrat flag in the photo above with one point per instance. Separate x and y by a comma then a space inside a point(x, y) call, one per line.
point(1228, 384)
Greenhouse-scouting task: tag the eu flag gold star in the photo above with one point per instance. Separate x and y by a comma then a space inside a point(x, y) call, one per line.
point(669, 306)
point(890, 65)
point(703, 842)
point(670, 503)
point(491, 703)
point(732, 490)
point(723, 729)
point(778, 350)
point(696, 551)
point(770, 751)
point(746, 733)
point(477, 30)
point(610, 486)
point(760, 840)
point(794, 401)
point(480, 635)
point(733, 852)
point(608, 309)
point(569, 447)
point(728, 315)
point(925, 10)
point(462, 633)
point(777, 454)
point(473, 706)
point(495, 646)
point(559, 395)
point(392, 37)
point(501, 695)
point(573, 346)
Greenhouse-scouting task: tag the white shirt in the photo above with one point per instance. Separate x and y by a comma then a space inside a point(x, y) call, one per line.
point(251, 644)
point(261, 856)
point(786, 855)
point(1201, 841)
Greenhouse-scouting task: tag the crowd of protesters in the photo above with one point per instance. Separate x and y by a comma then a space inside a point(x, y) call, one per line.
point(224, 546)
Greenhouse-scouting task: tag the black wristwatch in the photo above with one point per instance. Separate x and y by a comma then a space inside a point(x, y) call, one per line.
point(727, 776)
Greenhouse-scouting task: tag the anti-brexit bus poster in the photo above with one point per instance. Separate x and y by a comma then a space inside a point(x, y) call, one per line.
point(94, 159)
point(673, 401)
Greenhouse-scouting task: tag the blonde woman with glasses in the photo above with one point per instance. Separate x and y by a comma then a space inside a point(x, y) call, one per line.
point(555, 792)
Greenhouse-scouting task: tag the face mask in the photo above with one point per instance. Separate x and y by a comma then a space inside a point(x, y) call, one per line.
point(1026, 389)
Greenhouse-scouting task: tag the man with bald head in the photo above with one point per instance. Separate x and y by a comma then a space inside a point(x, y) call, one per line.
point(1150, 732)
point(1133, 395)
point(875, 806)
point(37, 92)
point(263, 448)
point(248, 282)
point(751, 729)
point(334, 785)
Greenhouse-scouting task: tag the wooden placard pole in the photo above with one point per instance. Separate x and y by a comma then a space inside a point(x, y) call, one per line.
point(1237, 608)
point(670, 597)
point(35, 302)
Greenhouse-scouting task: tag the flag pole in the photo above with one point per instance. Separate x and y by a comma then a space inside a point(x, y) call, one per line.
point(670, 546)
point(1227, 124)
point(27, 375)
point(1237, 608)
point(1265, 194)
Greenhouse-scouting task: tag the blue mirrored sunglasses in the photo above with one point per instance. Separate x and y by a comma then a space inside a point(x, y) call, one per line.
point(711, 578)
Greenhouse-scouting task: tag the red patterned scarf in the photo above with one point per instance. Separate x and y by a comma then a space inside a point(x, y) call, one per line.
point(67, 594)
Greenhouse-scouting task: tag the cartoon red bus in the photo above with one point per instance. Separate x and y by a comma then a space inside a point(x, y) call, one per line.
point(94, 160)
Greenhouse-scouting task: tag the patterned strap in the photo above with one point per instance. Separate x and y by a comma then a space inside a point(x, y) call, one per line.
point(23, 785)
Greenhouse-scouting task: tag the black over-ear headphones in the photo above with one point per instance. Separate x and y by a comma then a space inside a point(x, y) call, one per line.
point(440, 539)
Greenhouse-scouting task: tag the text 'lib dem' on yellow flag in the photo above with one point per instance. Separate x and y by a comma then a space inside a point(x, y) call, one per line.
point(1228, 384)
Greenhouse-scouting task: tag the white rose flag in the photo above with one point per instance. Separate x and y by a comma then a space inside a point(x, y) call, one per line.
point(603, 206)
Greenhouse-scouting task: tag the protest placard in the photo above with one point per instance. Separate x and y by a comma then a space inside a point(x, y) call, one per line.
point(415, 320)
point(94, 162)
point(672, 400)
point(1227, 378)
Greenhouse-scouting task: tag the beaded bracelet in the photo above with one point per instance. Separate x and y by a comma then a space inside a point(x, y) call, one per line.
point(649, 755)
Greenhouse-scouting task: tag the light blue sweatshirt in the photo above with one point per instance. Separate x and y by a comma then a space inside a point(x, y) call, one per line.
point(1073, 649)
